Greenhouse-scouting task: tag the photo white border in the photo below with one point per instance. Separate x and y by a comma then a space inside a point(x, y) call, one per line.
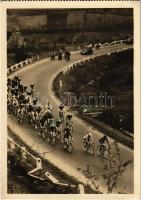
point(3, 60)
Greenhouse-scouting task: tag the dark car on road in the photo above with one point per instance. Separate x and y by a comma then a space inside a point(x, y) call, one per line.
point(87, 51)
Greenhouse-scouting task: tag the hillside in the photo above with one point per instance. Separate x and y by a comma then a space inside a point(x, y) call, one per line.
point(111, 75)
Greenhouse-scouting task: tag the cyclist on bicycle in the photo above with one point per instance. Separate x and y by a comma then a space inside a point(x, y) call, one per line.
point(21, 111)
point(58, 126)
point(69, 120)
point(61, 112)
point(49, 107)
point(88, 140)
point(103, 143)
point(67, 134)
point(52, 129)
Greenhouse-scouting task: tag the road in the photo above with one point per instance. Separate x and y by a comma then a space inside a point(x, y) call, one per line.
point(42, 74)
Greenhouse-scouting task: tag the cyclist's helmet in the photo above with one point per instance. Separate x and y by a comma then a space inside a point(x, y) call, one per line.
point(90, 134)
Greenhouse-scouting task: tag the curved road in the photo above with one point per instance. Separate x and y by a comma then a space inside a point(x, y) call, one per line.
point(42, 74)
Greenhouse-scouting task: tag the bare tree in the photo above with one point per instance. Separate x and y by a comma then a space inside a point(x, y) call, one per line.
point(114, 167)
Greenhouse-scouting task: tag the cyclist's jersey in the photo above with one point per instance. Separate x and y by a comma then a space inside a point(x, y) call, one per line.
point(49, 107)
point(21, 97)
point(103, 140)
point(42, 121)
point(35, 101)
point(27, 99)
point(58, 123)
point(67, 135)
point(67, 132)
point(16, 92)
point(24, 100)
point(21, 111)
point(58, 128)
point(48, 111)
point(52, 128)
point(61, 107)
point(15, 102)
point(88, 138)
point(39, 108)
point(48, 116)
point(30, 108)
point(69, 117)
point(35, 115)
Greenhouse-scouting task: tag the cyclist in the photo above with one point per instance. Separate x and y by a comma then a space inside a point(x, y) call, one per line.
point(31, 90)
point(60, 55)
point(88, 140)
point(103, 143)
point(104, 140)
point(39, 108)
point(20, 111)
point(67, 55)
point(49, 107)
point(69, 120)
point(52, 129)
point(67, 134)
point(61, 112)
point(15, 105)
point(59, 127)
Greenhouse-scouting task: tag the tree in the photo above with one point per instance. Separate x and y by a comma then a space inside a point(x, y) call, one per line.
point(16, 43)
point(114, 168)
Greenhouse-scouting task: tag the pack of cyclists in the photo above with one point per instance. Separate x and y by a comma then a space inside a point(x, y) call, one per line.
point(22, 102)
point(60, 54)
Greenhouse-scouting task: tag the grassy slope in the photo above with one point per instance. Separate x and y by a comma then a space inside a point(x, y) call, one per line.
point(112, 74)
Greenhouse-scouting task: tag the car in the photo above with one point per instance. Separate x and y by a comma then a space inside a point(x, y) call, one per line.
point(87, 51)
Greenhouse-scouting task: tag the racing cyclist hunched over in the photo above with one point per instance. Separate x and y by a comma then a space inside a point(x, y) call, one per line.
point(61, 112)
point(52, 129)
point(103, 143)
point(21, 110)
point(67, 134)
point(49, 107)
point(69, 120)
point(58, 125)
point(88, 140)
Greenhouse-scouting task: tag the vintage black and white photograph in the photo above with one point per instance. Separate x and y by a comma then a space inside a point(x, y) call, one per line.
point(70, 101)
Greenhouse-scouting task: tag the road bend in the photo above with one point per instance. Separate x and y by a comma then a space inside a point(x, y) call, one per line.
point(42, 75)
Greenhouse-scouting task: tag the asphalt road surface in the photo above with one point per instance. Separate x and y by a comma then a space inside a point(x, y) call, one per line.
point(42, 74)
